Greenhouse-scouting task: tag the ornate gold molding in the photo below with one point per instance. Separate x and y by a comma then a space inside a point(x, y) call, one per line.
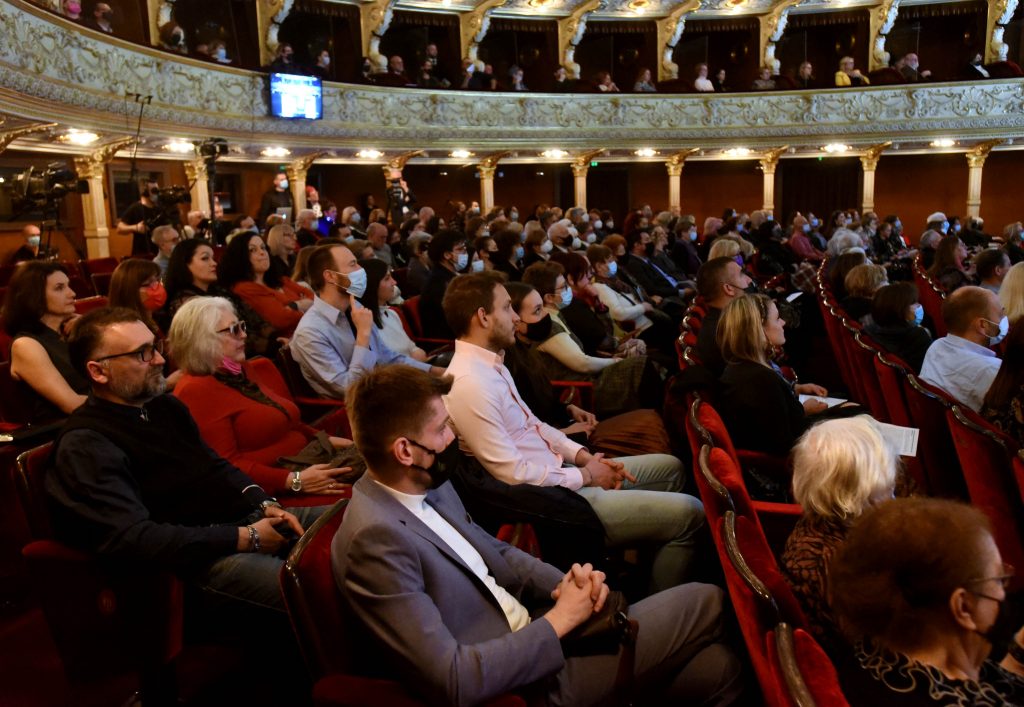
point(869, 160)
point(570, 32)
point(674, 164)
point(269, 16)
point(491, 161)
point(670, 29)
point(397, 163)
point(93, 165)
point(581, 162)
point(374, 19)
point(1000, 12)
point(195, 170)
point(297, 168)
point(9, 136)
point(977, 155)
point(883, 17)
point(769, 159)
point(473, 26)
point(773, 25)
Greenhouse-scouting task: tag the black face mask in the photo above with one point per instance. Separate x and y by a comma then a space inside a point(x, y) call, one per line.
point(445, 462)
point(751, 289)
point(1007, 623)
point(540, 330)
point(649, 249)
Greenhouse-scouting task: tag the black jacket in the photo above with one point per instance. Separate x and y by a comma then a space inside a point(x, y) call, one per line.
point(435, 325)
point(760, 409)
point(907, 341)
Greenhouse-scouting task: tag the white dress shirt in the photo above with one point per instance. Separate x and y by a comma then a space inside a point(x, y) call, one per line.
point(962, 368)
point(515, 612)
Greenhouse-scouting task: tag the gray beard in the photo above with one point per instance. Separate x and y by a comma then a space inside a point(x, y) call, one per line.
point(151, 387)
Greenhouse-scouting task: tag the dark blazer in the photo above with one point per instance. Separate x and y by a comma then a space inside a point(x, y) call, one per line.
point(432, 622)
point(431, 312)
point(707, 344)
point(760, 409)
point(907, 341)
point(649, 278)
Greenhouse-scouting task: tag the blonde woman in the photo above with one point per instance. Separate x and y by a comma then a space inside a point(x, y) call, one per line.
point(1011, 293)
point(840, 468)
point(861, 284)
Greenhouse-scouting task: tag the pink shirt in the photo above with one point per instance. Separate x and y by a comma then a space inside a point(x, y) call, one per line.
point(496, 426)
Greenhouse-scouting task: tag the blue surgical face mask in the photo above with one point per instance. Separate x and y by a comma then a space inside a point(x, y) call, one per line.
point(918, 314)
point(944, 227)
point(807, 228)
point(478, 266)
point(956, 228)
point(461, 260)
point(613, 267)
point(520, 252)
point(514, 216)
point(566, 298)
point(815, 222)
point(356, 282)
point(693, 235)
point(34, 241)
point(1004, 326)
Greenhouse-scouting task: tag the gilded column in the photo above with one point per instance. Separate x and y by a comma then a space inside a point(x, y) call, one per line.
point(195, 171)
point(674, 166)
point(869, 163)
point(769, 161)
point(296, 172)
point(94, 205)
point(580, 167)
point(976, 157)
point(486, 187)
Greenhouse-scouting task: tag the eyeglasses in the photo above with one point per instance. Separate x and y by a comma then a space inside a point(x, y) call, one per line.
point(1004, 579)
point(236, 330)
point(143, 354)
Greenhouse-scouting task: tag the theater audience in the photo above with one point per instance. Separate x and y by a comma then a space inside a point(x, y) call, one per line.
point(32, 248)
point(165, 238)
point(644, 83)
point(886, 243)
point(991, 267)
point(450, 256)
point(1011, 293)
point(586, 316)
point(496, 427)
point(702, 84)
point(427, 613)
point(849, 76)
point(719, 282)
point(895, 325)
point(239, 416)
point(306, 232)
point(281, 244)
point(760, 408)
point(245, 270)
point(801, 244)
point(336, 341)
point(840, 467)
point(380, 289)
point(961, 363)
point(1003, 404)
point(861, 283)
point(924, 609)
point(38, 308)
point(135, 284)
point(840, 268)
point(510, 254)
point(948, 270)
point(537, 245)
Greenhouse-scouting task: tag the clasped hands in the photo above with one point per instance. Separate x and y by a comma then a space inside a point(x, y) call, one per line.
point(581, 593)
point(609, 474)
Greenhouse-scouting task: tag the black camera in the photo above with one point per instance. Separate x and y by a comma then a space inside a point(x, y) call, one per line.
point(173, 195)
point(36, 188)
point(213, 147)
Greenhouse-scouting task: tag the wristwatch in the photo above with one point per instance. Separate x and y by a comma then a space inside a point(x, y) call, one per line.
point(297, 482)
point(264, 505)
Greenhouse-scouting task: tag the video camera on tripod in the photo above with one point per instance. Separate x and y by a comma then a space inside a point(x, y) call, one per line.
point(38, 189)
point(167, 199)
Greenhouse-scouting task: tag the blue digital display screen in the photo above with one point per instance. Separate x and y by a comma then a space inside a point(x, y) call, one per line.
point(296, 96)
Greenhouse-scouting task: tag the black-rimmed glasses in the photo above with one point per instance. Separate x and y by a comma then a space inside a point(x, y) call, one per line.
point(236, 330)
point(144, 354)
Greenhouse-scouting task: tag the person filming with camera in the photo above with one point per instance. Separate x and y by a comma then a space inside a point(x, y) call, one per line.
point(140, 218)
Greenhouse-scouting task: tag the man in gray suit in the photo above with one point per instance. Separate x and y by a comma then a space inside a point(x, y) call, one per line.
point(461, 617)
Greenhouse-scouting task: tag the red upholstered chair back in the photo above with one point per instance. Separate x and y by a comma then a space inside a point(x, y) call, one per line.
point(105, 618)
point(891, 370)
point(98, 266)
point(745, 459)
point(837, 336)
point(928, 404)
point(411, 308)
point(986, 457)
point(87, 304)
point(802, 670)
point(864, 351)
point(713, 493)
point(930, 297)
point(266, 375)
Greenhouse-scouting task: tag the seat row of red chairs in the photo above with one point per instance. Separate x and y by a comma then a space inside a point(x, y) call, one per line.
point(959, 453)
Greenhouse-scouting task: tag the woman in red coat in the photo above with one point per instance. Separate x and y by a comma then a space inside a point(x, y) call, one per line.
point(247, 423)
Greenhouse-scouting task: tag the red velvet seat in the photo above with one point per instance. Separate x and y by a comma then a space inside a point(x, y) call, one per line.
point(930, 297)
point(106, 618)
point(101, 282)
point(411, 309)
point(891, 371)
point(97, 266)
point(863, 351)
point(746, 459)
point(78, 280)
point(84, 305)
point(1004, 70)
point(986, 457)
point(939, 461)
point(886, 76)
point(314, 607)
point(802, 670)
point(266, 375)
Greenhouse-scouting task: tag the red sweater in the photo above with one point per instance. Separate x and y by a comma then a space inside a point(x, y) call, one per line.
point(249, 434)
point(272, 305)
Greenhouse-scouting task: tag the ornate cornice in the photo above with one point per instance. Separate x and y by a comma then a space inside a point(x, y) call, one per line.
point(80, 78)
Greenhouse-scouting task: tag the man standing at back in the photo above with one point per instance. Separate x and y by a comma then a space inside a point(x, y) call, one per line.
point(637, 498)
point(460, 617)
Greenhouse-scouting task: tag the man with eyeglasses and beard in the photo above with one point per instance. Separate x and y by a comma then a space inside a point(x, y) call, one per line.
point(131, 479)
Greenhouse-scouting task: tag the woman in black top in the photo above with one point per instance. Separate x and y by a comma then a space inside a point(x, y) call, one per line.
point(510, 252)
point(760, 408)
point(38, 305)
point(896, 323)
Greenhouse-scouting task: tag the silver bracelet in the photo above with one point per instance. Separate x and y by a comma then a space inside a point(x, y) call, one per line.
point(254, 539)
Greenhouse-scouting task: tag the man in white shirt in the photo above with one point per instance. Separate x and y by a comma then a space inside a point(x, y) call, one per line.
point(961, 363)
point(637, 498)
point(460, 617)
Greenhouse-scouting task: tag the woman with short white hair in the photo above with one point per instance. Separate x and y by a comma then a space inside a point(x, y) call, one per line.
point(840, 468)
point(242, 420)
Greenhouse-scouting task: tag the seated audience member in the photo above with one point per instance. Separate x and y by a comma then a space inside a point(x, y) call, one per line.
point(300, 276)
point(484, 254)
point(1013, 241)
point(245, 270)
point(1011, 294)
point(281, 247)
point(510, 254)
point(805, 76)
point(961, 363)
point(764, 80)
point(911, 69)
point(165, 238)
point(919, 589)
point(862, 282)
point(585, 316)
point(760, 408)
point(619, 384)
point(102, 18)
point(849, 76)
point(840, 467)
point(684, 252)
point(537, 245)
point(604, 83)
point(380, 289)
point(133, 481)
point(419, 264)
point(719, 282)
point(719, 84)
point(656, 282)
point(449, 255)
point(991, 266)
point(136, 285)
point(644, 83)
point(886, 243)
point(377, 236)
point(496, 427)
point(248, 424)
point(801, 244)
point(1003, 405)
point(947, 269)
point(844, 241)
point(336, 341)
point(840, 268)
point(32, 248)
point(895, 325)
point(400, 561)
point(702, 84)
point(306, 232)
point(38, 306)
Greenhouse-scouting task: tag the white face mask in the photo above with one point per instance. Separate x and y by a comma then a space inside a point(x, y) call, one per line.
point(546, 247)
point(284, 183)
point(610, 224)
point(1004, 326)
point(478, 266)
point(576, 243)
point(597, 224)
point(591, 237)
point(586, 218)
point(460, 261)
point(355, 219)
point(573, 232)
point(566, 298)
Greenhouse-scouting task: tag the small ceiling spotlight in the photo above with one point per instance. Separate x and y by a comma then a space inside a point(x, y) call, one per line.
point(554, 154)
point(369, 154)
point(836, 148)
point(180, 146)
point(460, 154)
point(275, 152)
point(638, 7)
point(943, 142)
point(646, 152)
point(737, 152)
point(79, 137)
